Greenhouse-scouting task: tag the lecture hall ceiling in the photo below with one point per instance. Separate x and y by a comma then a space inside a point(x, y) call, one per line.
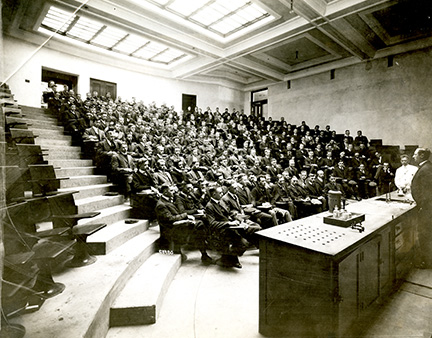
point(244, 43)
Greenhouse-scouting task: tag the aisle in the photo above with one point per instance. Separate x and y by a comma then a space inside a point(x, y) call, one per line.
point(206, 302)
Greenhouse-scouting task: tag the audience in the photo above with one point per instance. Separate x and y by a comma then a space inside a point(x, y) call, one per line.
point(265, 172)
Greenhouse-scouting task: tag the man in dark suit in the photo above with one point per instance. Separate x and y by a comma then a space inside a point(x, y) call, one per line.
point(421, 188)
point(105, 150)
point(176, 228)
point(222, 227)
point(122, 168)
point(232, 203)
point(262, 194)
point(142, 178)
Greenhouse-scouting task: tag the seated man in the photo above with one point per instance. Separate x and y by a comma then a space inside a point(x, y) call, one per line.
point(347, 178)
point(122, 167)
point(314, 190)
point(222, 229)
point(404, 175)
point(232, 203)
point(306, 205)
point(187, 201)
point(177, 229)
point(265, 220)
point(384, 178)
point(162, 175)
point(142, 178)
point(281, 196)
point(334, 186)
point(365, 183)
point(261, 194)
point(105, 150)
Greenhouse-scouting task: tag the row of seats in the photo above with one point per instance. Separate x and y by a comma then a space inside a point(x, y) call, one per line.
point(32, 198)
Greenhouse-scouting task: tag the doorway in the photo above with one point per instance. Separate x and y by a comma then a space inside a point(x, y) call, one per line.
point(60, 78)
point(103, 87)
point(259, 103)
point(188, 101)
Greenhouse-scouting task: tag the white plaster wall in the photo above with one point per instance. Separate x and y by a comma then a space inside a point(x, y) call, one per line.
point(391, 103)
point(129, 84)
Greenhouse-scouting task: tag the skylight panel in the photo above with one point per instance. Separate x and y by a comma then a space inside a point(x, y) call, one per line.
point(85, 29)
point(130, 44)
point(232, 5)
point(186, 7)
point(254, 11)
point(224, 27)
point(168, 56)
point(109, 37)
point(207, 16)
point(58, 19)
point(162, 2)
point(209, 13)
point(151, 50)
point(237, 20)
point(220, 8)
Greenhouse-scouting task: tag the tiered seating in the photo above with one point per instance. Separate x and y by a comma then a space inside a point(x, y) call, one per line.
point(32, 197)
point(44, 180)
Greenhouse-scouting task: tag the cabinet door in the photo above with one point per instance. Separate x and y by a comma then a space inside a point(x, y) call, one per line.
point(386, 259)
point(348, 289)
point(368, 274)
point(358, 283)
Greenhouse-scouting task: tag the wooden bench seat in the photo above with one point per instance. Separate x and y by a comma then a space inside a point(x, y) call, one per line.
point(65, 214)
point(43, 179)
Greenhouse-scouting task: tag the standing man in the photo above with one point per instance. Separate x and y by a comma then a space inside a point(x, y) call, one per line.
point(404, 175)
point(421, 188)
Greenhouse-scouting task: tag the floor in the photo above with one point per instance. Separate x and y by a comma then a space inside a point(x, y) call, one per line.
point(213, 302)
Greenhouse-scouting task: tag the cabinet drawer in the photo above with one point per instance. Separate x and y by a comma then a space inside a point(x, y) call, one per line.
point(399, 241)
point(398, 229)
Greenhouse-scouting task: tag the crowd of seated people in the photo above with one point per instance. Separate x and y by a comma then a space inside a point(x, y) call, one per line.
point(272, 171)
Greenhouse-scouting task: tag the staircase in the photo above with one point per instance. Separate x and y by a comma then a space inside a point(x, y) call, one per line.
point(127, 283)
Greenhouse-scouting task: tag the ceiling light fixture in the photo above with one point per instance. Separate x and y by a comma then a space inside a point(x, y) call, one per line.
point(291, 6)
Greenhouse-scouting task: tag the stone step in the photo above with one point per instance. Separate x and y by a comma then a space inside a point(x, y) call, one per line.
point(12, 110)
point(33, 118)
point(96, 203)
point(83, 307)
point(109, 215)
point(44, 125)
point(6, 96)
point(78, 181)
point(66, 140)
point(47, 133)
point(64, 148)
point(61, 155)
point(89, 190)
point(57, 163)
point(35, 110)
point(5, 90)
point(77, 171)
point(140, 301)
point(40, 116)
point(8, 103)
point(114, 235)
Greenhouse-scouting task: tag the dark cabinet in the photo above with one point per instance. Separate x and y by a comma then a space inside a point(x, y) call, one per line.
point(317, 280)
